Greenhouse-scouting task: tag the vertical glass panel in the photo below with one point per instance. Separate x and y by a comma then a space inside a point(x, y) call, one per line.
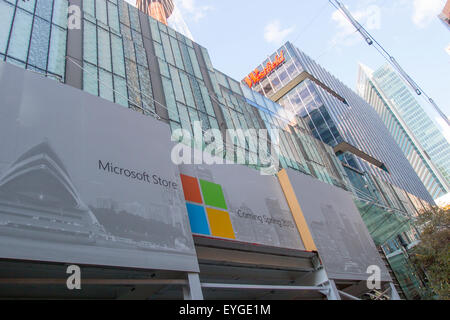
point(170, 99)
point(56, 58)
point(104, 49)
point(106, 85)
point(44, 9)
point(6, 15)
point(207, 59)
point(20, 35)
point(90, 42)
point(195, 64)
point(128, 47)
point(121, 94)
point(123, 13)
point(186, 58)
point(177, 53)
point(117, 55)
point(90, 79)
point(172, 32)
point(60, 8)
point(198, 95)
point(133, 83)
point(39, 44)
point(164, 68)
point(187, 90)
point(113, 16)
point(141, 56)
point(89, 7)
point(155, 30)
point(134, 18)
point(184, 118)
point(167, 49)
point(159, 51)
point(101, 11)
point(146, 88)
point(177, 84)
point(27, 5)
point(207, 100)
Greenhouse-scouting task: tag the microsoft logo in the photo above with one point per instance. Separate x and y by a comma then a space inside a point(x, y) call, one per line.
point(207, 209)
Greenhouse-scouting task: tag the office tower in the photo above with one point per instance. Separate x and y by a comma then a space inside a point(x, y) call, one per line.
point(337, 116)
point(397, 107)
point(160, 10)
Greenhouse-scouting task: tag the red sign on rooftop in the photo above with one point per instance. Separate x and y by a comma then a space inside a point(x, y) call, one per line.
point(256, 76)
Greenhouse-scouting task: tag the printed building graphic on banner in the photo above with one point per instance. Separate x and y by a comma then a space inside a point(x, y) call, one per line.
point(70, 191)
point(343, 241)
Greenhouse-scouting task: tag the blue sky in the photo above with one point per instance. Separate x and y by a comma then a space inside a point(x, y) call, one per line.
point(239, 34)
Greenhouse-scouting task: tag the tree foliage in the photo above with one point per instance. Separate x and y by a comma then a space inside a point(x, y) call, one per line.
point(432, 255)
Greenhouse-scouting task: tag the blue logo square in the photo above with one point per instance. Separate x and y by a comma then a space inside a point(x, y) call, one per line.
point(198, 220)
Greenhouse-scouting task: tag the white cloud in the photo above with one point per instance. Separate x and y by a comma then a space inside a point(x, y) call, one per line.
point(425, 11)
point(192, 9)
point(273, 33)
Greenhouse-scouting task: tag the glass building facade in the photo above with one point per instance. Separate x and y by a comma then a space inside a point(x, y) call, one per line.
point(405, 136)
point(336, 114)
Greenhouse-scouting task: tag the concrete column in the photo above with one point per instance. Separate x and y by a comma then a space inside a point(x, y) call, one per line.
point(194, 290)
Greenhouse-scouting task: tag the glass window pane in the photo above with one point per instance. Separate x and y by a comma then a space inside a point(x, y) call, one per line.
point(90, 79)
point(177, 84)
point(101, 15)
point(90, 42)
point(56, 59)
point(20, 35)
point(133, 83)
point(167, 48)
point(159, 51)
point(120, 88)
point(6, 15)
point(44, 9)
point(177, 53)
point(27, 5)
point(89, 7)
point(39, 44)
point(104, 49)
point(123, 13)
point(146, 88)
point(113, 16)
point(134, 18)
point(187, 90)
point(106, 85)
point(195, 64)
point(164, 68)
point(207, 100)
point(60, 13)
point(170, 99)
point(118, 58)
point(155, 30)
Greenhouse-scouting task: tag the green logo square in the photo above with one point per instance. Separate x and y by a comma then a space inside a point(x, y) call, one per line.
point(213, 194)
